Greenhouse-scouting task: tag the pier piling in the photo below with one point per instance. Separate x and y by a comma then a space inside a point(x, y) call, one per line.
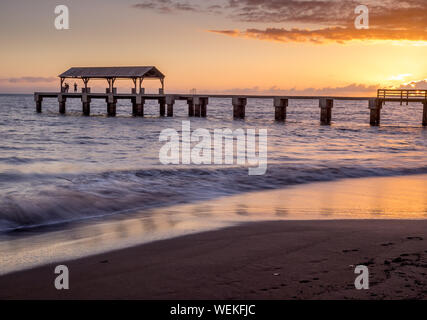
point(162, 106)
point(170, 101)
point(280, 105)
point(111, 105)
point(62, 100)
point(200, 106)
point(197, 108)
point(190, 103)
point(138, 106)
point(326, 106)
point(375, 106)
point(38, 101)
point(239, 105)
point(425, 114)
point(86, 104)
point(204, 106)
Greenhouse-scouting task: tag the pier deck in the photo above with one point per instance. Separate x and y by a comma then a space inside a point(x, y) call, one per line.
point(197, 104)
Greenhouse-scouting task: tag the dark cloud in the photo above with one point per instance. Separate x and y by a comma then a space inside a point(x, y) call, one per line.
point(167, 6)
point(277, 11)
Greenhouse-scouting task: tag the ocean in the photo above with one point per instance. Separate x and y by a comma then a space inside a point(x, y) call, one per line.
point(62, 172)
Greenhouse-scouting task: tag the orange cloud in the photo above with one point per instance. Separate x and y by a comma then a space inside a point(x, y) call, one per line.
point(320, 36)
point(330, 20)
point(418, 85)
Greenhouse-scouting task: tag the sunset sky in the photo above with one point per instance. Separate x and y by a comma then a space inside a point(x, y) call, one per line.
point(239, 46)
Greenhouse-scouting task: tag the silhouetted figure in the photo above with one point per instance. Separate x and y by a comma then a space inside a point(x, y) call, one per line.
point(66, 87)
point(75, 87)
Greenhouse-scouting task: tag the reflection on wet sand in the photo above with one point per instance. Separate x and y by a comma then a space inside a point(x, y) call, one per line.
point(370, 198)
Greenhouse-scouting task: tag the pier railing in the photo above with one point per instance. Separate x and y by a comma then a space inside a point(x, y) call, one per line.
point(402, 95)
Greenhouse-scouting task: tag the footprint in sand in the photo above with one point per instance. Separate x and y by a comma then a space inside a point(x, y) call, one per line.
point(350, 250)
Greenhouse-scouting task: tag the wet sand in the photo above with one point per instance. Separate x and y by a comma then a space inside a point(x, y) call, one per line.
point(260, 260)
point(401, 197)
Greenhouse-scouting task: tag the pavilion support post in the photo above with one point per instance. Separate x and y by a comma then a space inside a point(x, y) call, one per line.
point(38, 101)
point(326, 106)
point(425, 114)
point(239, 105)
point(170, 101)
point(375, 106)
point(280, 105)
point(162, 89)
point(85, 89)
point(190, 103)
point(134, 89)
point(86, 104)
point(62, 100)
point(111, 105)
point(141, 89)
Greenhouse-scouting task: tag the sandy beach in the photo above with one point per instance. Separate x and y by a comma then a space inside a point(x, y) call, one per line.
point(262, 260)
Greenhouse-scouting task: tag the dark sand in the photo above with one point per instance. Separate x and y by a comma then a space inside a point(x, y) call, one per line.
point(265, 260)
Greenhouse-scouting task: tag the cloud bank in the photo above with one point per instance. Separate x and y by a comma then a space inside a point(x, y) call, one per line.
point(350, 89)
point(29, 79)
point(318, 21)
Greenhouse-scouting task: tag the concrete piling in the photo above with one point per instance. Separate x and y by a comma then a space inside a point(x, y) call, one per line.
point(62, 100)
point(280, 105)
point(239, 105)
point(86, 104)
point(38, 101)
point(111, 105)
point(190, 103)
point(197, 107)
point(375, 106)
point(138, 106)
point(162, 106)
point(425, 114)
point(170, 101)
point(203, 106)
point(326, 106)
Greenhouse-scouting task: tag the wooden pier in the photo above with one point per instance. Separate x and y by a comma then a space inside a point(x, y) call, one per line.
point(197, 104)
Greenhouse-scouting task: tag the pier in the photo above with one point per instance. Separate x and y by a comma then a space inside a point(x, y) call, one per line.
point(197, 104)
